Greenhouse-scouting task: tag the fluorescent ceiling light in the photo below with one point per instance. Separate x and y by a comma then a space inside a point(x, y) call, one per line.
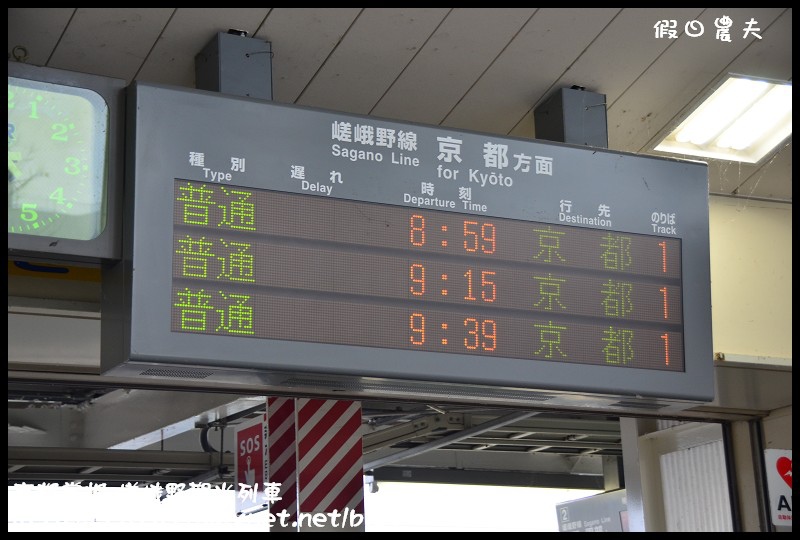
point(743, 120)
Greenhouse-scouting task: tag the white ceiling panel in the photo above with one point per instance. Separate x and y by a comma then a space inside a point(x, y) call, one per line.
point(36, 31)
point(375, 50)
point(773, 180)
point(725, 177)
point(302, 38)
point(525, 127)
point(611, 65)
point(770, 179)
point(651, 103)
point(450, 62)
point(769, 57)
point(526, 69)
point(478, 69)
point(110, 41)
point(189, 30)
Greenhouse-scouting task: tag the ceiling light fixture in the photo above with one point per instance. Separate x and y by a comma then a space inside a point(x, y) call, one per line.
point(744, 119)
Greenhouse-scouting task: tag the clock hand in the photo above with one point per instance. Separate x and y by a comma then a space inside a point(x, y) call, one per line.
point(13, 170)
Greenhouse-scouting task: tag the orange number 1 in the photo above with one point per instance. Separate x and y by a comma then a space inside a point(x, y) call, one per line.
point(665, 337)
point(664, 293)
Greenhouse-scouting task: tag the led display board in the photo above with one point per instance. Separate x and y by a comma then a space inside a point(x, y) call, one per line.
point(274, 238)
point(273, 265)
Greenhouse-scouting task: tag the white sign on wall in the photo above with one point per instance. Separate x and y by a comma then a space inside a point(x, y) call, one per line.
point(779, 483)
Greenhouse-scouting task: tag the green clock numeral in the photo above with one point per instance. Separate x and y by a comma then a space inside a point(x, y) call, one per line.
point(29, 212)
point(60, 131)
point(35, 108)
point(58, 196)
point(73, 166)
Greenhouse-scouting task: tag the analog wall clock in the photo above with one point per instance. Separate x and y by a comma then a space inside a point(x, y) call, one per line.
point(63, 163)
point(57, 140)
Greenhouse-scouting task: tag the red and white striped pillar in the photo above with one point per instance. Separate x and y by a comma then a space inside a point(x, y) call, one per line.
point(282, 445)
point(329, 463)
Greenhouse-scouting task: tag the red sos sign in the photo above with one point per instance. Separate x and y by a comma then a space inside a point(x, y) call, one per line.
point(250, 445)
point(251, 474)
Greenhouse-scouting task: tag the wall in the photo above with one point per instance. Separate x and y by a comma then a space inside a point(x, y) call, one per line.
point(751, 277)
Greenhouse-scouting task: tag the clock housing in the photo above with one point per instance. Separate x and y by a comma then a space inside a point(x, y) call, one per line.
point(65, 163)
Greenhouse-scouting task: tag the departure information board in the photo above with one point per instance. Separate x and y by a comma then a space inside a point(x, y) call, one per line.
point(267, 264)
point(268, 238)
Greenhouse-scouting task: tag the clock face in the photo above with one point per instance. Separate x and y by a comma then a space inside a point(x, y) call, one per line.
point(57, 144)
